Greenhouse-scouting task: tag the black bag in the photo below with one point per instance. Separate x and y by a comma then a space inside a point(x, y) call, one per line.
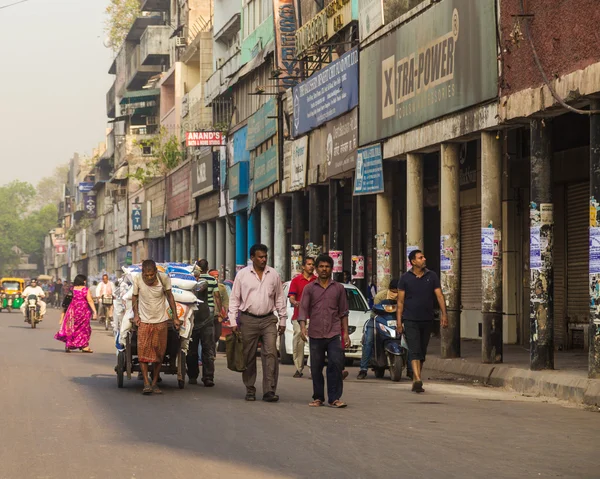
point(235, 353)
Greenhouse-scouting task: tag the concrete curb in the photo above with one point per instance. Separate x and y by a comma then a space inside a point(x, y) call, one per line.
point(559, 385)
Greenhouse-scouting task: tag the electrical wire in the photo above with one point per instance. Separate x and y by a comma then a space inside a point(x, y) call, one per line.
point(543, 73)
point(13, 4)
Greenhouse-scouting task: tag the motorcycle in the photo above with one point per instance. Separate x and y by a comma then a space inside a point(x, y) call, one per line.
point(32, 311)
point(389, 349)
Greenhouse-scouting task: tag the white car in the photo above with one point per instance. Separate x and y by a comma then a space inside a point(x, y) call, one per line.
point(359, 314)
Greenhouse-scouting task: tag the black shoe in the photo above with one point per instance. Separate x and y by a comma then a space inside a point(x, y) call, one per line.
point(418, 387)
point(250, 397)
point(193, 381)
point(209, 383)
point(270, 397)
point(362, 375)
point(344, 374)
point(298, 374)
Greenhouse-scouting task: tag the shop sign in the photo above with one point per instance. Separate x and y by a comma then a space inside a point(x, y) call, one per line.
point(285, 43)
point(136, 217)
point(61, 246)
point(327, 94)
point(265, 169)
point(239, 179)
point(204, 177)
point(240, 152)
point(89, 202)
point(178, 192)
point(299, 163)
point(370, 13)
point(369, 171)
point(442, 61)
point(85, 187)
point(262, 125)
point(157, 227)
point(324, 25)
point(204, 138)
point(341, 140)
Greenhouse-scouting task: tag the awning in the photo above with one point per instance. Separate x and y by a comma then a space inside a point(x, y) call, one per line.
point(139, 96)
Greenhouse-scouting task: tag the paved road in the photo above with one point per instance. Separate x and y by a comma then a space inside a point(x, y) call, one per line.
point(62, 416)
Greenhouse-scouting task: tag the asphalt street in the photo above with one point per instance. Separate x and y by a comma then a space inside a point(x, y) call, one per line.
point(62, 416)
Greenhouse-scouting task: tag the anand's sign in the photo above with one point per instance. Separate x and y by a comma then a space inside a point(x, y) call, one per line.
point(204, 138)
point(440, 62)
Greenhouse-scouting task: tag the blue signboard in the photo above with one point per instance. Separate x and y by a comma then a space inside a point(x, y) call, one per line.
point(136, 217)
point(240, 152)
point(265, 169)
point(262, 125)
point(239, 179)
point(369, 171)
point(85, 187)
point(327, 94)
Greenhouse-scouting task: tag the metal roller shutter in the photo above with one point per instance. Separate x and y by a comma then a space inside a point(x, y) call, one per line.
point(560, 283)
point(470, 257)
point(578, 218)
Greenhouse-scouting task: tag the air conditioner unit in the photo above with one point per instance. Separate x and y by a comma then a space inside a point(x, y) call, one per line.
point(180, 41)
point(151, 120)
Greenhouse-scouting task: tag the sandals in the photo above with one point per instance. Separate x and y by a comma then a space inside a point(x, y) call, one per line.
point(156, 390)
point(87, 350)
point(315, 403)
point(337, 404)
point(147, 390)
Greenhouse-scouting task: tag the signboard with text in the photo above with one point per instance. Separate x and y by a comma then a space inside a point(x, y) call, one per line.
point(441, 61)
point(265, 169)
point(285, 43)
point(262, 125)
point(299, 163)
point(205, 173)
point(204, 138)
point(369, 171)
point(136, 217)
point(341, 141)
point(327, 94)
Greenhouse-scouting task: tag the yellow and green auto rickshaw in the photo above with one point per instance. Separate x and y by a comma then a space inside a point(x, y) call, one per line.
point(12, 293)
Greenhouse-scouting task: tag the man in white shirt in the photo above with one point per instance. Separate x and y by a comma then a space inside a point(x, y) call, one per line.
point(33, 288)
point(106, 289)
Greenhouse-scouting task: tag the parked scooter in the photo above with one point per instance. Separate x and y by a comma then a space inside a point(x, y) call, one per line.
point(32, 311)
point(388, 351)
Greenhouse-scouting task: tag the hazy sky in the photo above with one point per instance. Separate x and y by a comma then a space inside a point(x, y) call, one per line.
point(53, 83)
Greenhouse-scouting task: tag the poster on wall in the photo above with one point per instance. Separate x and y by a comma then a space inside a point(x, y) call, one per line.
point(296, 256)
point(445, 261)
point(487, 247)
point(358, 267)
point(535, 251)
point(338, 260)
point(409, 250)
point(594, 250)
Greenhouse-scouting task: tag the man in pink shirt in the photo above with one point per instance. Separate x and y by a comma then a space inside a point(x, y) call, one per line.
point(257, 292)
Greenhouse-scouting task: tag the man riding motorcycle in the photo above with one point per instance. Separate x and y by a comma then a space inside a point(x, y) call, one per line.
point(34, 289)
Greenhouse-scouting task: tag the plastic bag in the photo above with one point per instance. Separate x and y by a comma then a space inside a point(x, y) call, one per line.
point(235, 353)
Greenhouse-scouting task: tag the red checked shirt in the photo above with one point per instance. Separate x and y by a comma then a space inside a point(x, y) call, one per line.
point(296, 288)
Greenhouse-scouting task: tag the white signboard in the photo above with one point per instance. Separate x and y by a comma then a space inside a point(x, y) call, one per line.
point(299, 163)
point(370, 13)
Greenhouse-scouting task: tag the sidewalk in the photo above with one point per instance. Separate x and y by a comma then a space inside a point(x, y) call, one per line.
point(568, 381)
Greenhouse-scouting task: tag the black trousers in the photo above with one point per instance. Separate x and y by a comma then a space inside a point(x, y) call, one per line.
point(204, 335)
point(332, 347)
point(417, 336)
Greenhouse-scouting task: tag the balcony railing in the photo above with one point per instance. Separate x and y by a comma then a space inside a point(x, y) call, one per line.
point(155, 46)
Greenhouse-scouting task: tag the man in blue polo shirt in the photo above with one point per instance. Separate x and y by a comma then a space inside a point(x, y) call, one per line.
point(416, 291)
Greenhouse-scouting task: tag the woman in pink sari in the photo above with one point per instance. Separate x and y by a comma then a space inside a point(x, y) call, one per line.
point(75, 329)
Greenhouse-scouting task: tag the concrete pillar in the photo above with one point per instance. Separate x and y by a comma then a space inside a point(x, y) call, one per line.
point(253, 230)
point(450, 247)
point(594, 272)
point(298, 229)
point(357, 235)
point(179, 248)
point(266, 228)
point(280, 241)
point(384, 232)
point(220, 247)
point(193, 244)
point(202, 250)
point(241, 240)
point(414, 204)
point(211, 243)
point(541, 239)
point(491, 249)
point(230, 236)
point(171, 247)
point(185, 249)
point(315, 222)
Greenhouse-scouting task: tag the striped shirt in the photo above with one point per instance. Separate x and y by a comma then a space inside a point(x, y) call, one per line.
point(213, 286)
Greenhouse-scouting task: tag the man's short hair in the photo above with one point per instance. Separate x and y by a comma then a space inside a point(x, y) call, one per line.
point(308, 258)
point(258, 247)
point(148, 265)
point(324, 258)
point(104, 275)
point(394, 284)
point(203, 265)
point(413, 254)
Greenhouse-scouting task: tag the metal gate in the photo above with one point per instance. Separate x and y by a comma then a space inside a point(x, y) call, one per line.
point(470, 257)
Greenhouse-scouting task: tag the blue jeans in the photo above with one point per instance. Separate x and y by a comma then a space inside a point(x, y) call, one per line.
point(367, 347)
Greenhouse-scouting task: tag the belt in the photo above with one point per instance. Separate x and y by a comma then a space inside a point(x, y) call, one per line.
point(256, 315)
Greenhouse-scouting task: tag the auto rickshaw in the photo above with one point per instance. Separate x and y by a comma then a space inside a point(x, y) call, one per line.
point(12, 293)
